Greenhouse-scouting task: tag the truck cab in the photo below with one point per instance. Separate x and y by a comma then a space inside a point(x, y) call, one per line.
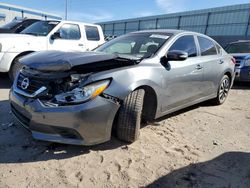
point(47, 35)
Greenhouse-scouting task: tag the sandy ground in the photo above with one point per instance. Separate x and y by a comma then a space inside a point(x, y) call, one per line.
point(202, 146)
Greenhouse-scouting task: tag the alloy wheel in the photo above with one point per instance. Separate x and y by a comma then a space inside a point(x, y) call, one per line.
point(224, 89)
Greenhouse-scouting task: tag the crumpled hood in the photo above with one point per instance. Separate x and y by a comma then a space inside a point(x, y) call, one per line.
point(53, 61)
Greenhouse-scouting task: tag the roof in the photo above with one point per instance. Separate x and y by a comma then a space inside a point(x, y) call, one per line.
point(173, 31)
point(28, 10)
point(76, 22)
point(168, 31)
point(239, 41)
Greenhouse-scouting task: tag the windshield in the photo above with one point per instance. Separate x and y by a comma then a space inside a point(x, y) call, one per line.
point(41, 28)
point(136, 45)
point(241, 47)
point(11, 24)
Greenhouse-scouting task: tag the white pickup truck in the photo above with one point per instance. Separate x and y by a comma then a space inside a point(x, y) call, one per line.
point(47, 35)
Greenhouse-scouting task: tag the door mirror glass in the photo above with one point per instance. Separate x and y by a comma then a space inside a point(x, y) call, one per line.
point(56, 35)
point(176, 55)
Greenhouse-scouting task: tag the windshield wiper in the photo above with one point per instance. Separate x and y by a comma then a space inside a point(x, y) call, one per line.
point(128, 57)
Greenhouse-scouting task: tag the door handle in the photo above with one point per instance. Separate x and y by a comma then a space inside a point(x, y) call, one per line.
point(198, 67)
point(80, 44)
point(221, 61)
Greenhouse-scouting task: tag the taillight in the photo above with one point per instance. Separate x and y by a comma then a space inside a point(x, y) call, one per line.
point(233, 60)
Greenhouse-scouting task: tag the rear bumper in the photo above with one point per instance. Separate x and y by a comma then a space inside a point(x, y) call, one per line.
point(242, 74)
point(85, 124)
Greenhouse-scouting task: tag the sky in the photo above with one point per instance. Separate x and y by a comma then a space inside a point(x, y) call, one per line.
point(94, 11)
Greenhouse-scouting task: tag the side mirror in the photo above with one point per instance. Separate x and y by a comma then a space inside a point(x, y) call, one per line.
point(176, 55)
point(56, 35)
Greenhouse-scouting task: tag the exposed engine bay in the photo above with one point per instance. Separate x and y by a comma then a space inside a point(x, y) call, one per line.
point(59, 81)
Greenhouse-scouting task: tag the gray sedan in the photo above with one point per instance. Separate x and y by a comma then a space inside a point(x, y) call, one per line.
point(79, 98)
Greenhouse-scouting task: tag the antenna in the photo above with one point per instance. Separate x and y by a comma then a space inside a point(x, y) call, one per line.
point(66, 9)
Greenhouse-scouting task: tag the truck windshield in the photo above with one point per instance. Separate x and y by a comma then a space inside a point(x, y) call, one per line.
point(241, 47)
point(11, 24)
point(138, 45)
point(41, 28)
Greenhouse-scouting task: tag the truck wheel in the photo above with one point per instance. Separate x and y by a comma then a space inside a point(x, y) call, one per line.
point(223, 91)
point(14, 69)
point(129, 117)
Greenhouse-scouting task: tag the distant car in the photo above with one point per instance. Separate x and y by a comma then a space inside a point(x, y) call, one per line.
point(17, 25)
point(47, 35)
point(240, 50)
point(79, 97)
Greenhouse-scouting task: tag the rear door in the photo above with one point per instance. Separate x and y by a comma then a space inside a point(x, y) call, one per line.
point(70, 39)
point(182, 82)
point(213, 63)
point(94, 36)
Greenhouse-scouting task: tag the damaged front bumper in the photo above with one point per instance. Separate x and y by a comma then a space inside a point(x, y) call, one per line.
point(84, 124)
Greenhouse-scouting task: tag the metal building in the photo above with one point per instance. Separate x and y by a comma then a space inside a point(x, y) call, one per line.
point(9, 12)
point(225, 24)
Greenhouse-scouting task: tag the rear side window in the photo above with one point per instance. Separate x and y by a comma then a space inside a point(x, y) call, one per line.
point(186, 44)
point(70, 32)
point(92, 33)
point(207, 46)
point(218, 48)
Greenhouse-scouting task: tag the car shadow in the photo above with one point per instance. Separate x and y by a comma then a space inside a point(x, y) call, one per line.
point(241, 85)
point(190, 108)
point(230, 169)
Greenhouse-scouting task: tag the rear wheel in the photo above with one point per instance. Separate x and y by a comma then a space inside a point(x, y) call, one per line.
point(15, 68)
point(223, 90)
point(129, 117)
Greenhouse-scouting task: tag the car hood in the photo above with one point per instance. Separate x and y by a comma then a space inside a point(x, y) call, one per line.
point(58, 61)
point(14, 35)
point(241, 56)
point(16, 43)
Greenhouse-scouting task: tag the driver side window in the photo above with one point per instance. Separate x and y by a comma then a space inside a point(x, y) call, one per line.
point(70, 32)
point(186, 44)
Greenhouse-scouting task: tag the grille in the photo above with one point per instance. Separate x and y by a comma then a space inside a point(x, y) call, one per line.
point(34, 83)
point(237, 63)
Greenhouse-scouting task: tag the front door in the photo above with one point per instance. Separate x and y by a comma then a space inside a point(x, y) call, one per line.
point(69, 39)
point(182, 83)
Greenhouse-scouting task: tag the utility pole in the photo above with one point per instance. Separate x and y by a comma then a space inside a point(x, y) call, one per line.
point(66, 9)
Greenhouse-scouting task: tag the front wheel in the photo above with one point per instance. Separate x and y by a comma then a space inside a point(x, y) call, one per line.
point(129, 116)
point(14, 69)
point(223, 90)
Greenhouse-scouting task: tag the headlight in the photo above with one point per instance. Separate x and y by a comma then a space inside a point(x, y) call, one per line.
point(247, 62)
point(80, 95)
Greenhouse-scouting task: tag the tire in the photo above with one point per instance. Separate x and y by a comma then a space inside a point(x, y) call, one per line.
point(14, 69)
point(223, 91)
point(129, 117)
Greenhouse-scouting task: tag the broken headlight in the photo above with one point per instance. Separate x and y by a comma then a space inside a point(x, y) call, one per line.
point(82, 94)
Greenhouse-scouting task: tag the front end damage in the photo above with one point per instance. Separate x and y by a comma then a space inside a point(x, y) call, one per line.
point(64, 106)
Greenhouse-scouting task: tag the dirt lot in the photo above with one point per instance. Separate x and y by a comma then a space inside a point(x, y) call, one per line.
point(202, 146)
